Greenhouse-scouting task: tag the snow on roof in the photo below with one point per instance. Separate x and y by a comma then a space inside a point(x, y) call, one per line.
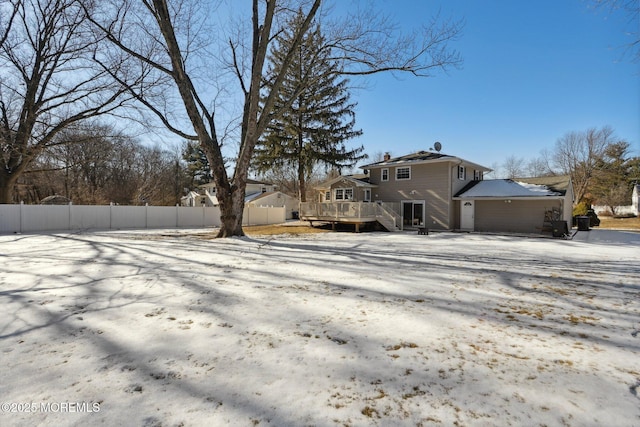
point(506, 188)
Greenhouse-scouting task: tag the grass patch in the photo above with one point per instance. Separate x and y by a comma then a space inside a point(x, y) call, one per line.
point(619, 223)
point(275, 229)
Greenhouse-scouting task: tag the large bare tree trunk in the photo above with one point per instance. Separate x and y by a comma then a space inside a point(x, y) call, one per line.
point(7, 182)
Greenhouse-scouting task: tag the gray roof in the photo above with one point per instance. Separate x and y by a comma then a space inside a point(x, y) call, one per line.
point(422, 157)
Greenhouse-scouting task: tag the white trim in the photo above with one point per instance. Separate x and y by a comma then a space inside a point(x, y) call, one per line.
point(343, 193)
point(382, 177)
point(462, 170)
point(408, 168)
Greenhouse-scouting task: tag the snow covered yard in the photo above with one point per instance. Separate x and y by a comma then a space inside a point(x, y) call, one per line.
point(170, 329)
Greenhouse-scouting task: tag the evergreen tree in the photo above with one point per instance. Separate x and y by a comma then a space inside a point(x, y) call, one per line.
point(198, 170)
point(612, 184)
point(317, 116)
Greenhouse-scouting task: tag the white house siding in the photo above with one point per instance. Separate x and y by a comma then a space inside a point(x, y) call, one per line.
point(519, 216)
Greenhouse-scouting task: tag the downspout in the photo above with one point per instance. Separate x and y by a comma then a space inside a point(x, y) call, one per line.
point(451, 192)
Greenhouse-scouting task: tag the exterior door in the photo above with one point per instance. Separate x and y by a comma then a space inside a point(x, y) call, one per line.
point(413, 214)
point(467, 213)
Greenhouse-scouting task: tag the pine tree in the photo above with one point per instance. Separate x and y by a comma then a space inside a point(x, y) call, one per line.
point(198, 170)
point(317, 116)
point(613, 182)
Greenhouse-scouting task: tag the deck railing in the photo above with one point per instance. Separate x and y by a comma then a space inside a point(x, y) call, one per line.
point(352, 211)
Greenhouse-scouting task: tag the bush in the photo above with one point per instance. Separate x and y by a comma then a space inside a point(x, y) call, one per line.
point(581, 209)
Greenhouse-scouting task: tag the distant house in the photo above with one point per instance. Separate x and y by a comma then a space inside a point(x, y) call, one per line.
point(441, 192)
point(206, 193)
point(276, 199)
point(258, 193)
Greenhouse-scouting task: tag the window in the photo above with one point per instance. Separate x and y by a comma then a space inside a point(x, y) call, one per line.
point(385, 174)
point(348, 193)
point(477, 175)
point(344, 194)
point(403, 173)
point(462, 173)
point(327, 196)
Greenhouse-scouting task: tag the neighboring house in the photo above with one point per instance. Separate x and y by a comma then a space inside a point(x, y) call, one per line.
point(276, 199)
point(434, 190)
point(206, 193)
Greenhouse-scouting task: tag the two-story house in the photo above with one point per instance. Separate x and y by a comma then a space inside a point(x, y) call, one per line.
point(436, 191)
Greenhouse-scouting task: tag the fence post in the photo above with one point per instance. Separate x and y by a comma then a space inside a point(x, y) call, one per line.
point(146, 215)
point(21, 205)
point(110, 215)
point(177, 215)
point(70, 203)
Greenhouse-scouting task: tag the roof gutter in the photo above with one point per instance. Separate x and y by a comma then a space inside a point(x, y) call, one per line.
point(509, 198)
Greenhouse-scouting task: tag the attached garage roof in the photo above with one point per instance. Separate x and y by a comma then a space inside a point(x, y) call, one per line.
point(506, 188)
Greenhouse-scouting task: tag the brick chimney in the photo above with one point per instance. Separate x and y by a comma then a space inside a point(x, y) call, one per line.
point(387, 157)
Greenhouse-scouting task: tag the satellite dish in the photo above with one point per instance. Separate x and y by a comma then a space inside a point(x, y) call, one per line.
point(437, 146)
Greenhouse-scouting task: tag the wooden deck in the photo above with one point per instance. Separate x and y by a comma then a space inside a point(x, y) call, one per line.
point(356, 213)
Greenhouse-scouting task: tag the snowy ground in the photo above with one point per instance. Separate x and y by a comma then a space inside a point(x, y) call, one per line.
point(168, 329)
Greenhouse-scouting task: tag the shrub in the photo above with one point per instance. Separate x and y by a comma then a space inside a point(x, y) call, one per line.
point(581, 209)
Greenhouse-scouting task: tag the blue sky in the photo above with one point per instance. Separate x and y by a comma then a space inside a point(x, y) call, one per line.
point(532, 72)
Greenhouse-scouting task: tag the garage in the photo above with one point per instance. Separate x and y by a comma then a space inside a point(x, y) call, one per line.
point(524, 205)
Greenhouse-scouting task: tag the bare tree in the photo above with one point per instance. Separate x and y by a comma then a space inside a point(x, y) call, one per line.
point(579, 155)
point(513, 167)
point(632, 9)
point(165, 41)
point(97, 164)
point(47, 81)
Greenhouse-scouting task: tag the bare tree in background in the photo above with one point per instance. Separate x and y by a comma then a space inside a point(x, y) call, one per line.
point(631, 8)
point(514, 167)
point(538, 167)
point(96, 164)
point(47, 80)
point(163, 37)
point(579, 155)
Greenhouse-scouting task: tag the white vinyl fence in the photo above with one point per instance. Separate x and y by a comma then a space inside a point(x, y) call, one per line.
point(32, 218)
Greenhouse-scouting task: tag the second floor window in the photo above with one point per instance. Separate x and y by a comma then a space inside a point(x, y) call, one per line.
point(462, 173)
point(385, 174)
point(403, 173)
point(477, 175)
